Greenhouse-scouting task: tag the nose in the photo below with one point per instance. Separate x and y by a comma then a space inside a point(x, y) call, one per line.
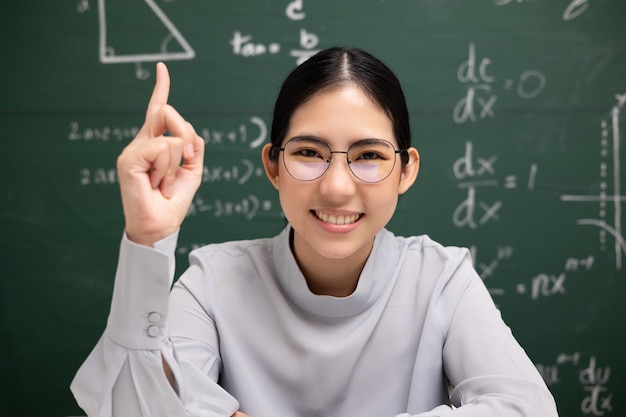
point(338, 181)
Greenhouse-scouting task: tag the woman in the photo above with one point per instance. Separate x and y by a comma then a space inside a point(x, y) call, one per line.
point(335, 316)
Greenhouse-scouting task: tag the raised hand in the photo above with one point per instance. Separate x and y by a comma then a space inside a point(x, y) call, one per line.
point(159, 175)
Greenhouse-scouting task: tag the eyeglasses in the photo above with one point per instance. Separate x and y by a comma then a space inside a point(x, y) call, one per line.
point(369, 160)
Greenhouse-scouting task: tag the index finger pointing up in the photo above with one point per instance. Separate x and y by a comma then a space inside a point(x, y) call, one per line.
point(161, 91)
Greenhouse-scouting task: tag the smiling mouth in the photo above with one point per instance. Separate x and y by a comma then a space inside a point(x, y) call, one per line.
point(333, 219)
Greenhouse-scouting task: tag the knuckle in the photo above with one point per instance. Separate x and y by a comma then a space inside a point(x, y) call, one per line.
point(169, 109)
point(173, 143)
point(123, 157)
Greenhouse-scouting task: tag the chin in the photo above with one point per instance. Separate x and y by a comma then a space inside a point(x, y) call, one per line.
point(338, 249)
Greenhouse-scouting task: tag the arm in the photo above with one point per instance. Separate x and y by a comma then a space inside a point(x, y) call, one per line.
point(487, 366)
point(134, 369)
point(490, 373)
point(124, 374)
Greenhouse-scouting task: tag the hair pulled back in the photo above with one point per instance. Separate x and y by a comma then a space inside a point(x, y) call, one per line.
point(331, 68)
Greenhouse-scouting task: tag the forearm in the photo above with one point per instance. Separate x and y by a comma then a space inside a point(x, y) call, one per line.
point(127, 365)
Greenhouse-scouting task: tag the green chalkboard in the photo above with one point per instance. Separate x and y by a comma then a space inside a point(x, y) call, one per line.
point(518, 110)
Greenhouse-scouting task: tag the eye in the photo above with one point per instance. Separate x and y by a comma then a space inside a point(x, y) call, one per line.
point(371, 151)
point(308, 153)
point(307, 150)
point(368, 156)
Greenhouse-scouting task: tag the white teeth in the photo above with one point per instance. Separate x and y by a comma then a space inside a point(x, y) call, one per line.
point(330, 218)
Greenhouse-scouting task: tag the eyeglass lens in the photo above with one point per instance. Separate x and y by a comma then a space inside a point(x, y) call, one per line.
point(370, 160)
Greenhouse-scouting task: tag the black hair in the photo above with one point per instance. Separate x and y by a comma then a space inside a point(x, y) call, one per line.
point(331, 68)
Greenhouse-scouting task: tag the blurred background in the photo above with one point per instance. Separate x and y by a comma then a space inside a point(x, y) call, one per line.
point(517, 109)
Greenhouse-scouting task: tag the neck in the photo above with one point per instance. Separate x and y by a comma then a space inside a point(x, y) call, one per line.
point(325, 276)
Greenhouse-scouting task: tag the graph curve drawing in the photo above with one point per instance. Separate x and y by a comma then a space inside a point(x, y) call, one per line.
point(108, 56)
point(611, 138)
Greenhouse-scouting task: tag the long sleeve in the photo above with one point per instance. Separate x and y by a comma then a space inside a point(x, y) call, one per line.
point(420, 317)
point(490, 373)
point(123, 375)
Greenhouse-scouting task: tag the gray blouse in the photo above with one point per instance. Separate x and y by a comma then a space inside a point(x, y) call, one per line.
point(420, 336)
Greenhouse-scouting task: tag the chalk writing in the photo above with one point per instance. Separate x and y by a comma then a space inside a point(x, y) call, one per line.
point(107, 52)
point(610, 156)
point(550, 372)
point(243, 46)
point(572, 264)
point(544, 285)
point(308, 42)
point(594, 379)
point(248, 207)
point(295, 10)
point(487, 269)
point(475, 172)
point(575, 9)
point(240, 134)
point(104, 134)
point(240, 173)
point(480, 98)
point(551, 284)
point(98, 176)
point(253, 133)
point(82, 6)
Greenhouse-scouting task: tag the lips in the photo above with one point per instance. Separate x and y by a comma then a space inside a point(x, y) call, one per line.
point(337, 219)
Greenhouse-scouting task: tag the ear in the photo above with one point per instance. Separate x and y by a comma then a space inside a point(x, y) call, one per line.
point(409, 172)
point(271, 167)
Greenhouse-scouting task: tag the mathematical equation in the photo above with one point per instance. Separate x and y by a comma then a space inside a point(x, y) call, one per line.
point(247, 207)
point(541, 285)
point(593, 376)
point(253, 133)
point(473, 172)
point(480, 98)
point(239, 173)
point(244, 44)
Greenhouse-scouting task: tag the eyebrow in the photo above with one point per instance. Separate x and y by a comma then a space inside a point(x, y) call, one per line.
point(317, 139)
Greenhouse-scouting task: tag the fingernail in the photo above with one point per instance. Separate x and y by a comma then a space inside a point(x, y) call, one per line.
point(189, 150)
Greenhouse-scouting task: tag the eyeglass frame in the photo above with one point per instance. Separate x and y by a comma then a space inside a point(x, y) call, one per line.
point(401, 152)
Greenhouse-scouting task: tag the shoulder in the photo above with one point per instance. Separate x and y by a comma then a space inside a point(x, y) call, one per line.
point(442, 276)
point(424, 249)
point(233, 248)
point(237, 253)
point(436, 268)
point(227, 266)
point(241, 259)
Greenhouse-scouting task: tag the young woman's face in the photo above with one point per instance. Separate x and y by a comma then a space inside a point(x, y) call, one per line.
point(336, 216)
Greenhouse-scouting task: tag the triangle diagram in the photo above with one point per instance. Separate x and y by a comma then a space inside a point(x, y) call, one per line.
point(132, 33)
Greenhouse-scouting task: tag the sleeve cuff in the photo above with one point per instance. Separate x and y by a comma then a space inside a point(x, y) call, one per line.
point(139, 307)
